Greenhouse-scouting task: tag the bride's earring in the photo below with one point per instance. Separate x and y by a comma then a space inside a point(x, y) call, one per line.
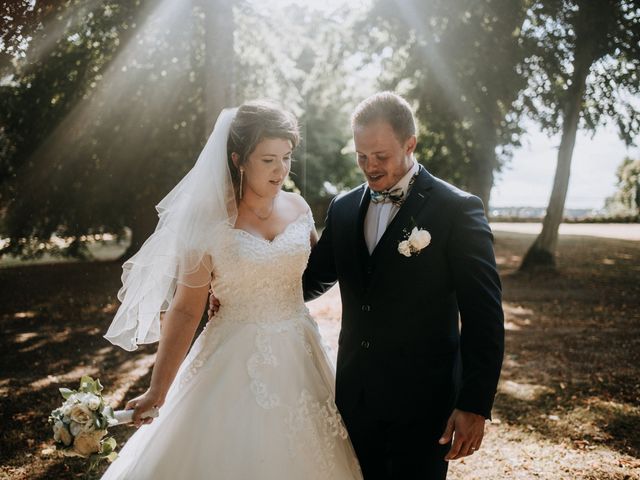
point(241, 181)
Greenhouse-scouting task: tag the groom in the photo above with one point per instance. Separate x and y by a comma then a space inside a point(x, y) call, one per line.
point(422, 336)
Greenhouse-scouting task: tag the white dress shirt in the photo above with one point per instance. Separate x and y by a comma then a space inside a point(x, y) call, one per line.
point(379, 215)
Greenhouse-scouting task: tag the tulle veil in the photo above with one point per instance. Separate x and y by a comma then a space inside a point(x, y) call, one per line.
point(178, 250)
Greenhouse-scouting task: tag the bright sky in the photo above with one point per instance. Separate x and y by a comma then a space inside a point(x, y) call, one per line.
point(527, 180)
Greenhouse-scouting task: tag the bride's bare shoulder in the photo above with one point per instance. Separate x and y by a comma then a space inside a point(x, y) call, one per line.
point(296, 202)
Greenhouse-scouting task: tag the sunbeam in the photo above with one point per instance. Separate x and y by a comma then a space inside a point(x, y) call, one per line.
point(454, 94)
point(57, 24)
point(146, 71)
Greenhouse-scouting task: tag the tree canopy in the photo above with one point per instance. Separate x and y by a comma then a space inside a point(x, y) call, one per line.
point(625, 202)
point(584, 74)
point(458, 61)
point(107, 105)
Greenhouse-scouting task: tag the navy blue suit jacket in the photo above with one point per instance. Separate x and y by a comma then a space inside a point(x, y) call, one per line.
point(420, 335)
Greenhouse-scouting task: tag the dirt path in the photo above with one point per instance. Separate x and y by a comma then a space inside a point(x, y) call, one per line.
point(620, 231)
point(567, 406)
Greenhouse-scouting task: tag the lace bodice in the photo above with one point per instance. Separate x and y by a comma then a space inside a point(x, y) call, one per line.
point(273, 269)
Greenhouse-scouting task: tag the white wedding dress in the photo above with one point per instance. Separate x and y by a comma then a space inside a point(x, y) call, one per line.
point(254, 398)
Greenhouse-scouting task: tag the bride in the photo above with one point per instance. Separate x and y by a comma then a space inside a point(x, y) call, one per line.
point(254, 396)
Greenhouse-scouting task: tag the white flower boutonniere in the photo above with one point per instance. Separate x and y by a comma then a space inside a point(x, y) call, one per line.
point(417, 240)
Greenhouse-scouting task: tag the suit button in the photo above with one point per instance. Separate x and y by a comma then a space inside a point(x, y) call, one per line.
point(366, 308)
point(369, 269)
point(365, 344)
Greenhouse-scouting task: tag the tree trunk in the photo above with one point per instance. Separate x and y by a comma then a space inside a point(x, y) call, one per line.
point(483, 165)
point(484, 161)
point(542, 251)
point(219, 92)
point(143, 223)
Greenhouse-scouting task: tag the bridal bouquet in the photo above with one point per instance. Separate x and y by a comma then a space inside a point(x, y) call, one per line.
point(80, 424)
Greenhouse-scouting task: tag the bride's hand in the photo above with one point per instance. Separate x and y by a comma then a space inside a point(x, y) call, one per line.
point(141, 404)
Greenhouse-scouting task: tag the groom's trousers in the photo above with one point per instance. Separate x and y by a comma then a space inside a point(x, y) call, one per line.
point(397, 449)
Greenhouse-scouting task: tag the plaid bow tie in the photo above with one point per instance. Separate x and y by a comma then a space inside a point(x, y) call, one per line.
point(395, 196)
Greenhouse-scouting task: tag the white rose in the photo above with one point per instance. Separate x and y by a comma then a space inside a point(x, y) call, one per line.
point(419, 238)
point(80, 413)
point(92, 401)
point(82, 397)
point(61, 434)
point(404, 248)
point(88, 442)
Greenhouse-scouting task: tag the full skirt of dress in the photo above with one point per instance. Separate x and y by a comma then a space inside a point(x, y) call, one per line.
point(252, 400)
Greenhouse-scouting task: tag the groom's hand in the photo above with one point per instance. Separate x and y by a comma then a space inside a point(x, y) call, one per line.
point(467, 430)
point(214, 305)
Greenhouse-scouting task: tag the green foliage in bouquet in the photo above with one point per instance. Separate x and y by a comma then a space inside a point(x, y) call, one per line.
point(80, 424)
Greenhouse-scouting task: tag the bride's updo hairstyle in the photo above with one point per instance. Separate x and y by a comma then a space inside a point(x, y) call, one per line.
point(256, 121)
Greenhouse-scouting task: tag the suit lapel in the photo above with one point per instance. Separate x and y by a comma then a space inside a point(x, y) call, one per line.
point(418, 196)
point(362, 252)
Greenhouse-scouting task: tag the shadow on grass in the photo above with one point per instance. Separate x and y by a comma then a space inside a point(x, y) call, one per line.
point(562, 415)
point(573, 343)
point(53, 318)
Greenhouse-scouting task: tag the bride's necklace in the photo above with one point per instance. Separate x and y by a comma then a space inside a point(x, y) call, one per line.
point(262, 217)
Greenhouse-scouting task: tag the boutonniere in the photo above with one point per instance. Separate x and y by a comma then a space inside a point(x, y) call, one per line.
point(415, 242)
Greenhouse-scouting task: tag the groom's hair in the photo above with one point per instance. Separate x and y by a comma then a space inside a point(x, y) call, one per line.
point(389, 107)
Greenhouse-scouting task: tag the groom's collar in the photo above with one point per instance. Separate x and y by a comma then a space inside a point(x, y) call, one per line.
point(424, 179)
